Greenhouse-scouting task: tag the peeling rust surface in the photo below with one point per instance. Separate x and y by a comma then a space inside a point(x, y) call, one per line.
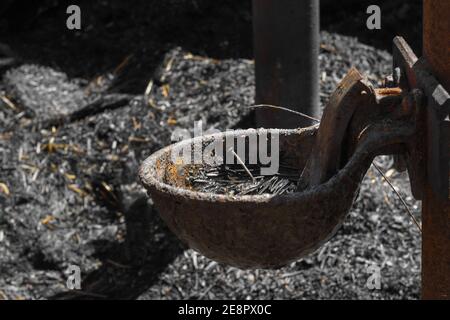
point(388, 91)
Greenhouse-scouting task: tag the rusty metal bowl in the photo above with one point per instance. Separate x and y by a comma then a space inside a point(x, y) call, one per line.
point(254, 231)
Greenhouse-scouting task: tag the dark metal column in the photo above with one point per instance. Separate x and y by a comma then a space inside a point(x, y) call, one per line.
point(435, 209)
point(286, 49)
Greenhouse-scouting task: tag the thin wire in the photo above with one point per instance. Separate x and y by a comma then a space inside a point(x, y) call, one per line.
point(284, 109)
point(242, 164)
point(399, 196)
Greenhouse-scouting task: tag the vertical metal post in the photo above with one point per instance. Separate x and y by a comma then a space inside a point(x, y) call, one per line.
point(286, 49)
point(436, 210)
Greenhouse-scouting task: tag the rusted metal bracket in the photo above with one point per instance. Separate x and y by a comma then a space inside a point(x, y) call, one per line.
point(326, 154)
point(429, 149)
point(354, 107)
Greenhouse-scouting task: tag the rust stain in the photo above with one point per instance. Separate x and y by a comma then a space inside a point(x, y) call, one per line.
point(436, 38)
point(388, 91)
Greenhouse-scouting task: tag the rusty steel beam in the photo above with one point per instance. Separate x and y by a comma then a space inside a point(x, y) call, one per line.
point(286, 49)
point(436, 38)
point(435, 209)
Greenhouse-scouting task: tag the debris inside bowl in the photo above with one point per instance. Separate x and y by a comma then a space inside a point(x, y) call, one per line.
point(234, 179)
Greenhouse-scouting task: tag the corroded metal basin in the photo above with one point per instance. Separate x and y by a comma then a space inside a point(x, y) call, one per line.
point(267, 231)
point(254, 231)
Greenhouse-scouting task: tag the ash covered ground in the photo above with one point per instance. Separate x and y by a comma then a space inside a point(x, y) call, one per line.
point(72, 135)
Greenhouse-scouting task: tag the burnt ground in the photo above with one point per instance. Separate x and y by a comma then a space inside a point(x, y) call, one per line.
point(80, 110)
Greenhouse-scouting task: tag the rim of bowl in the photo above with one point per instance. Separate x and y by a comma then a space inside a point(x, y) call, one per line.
point(149, 181)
